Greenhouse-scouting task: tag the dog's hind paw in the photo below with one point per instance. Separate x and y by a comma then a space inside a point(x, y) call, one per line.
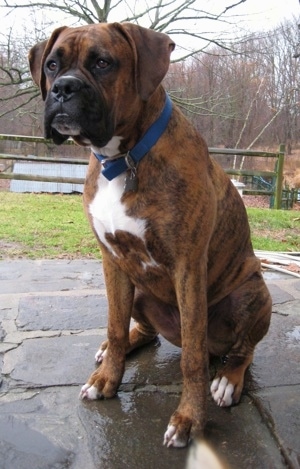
point(100, 355)
point(222, 391)
point(171, 438)
point(89, 392)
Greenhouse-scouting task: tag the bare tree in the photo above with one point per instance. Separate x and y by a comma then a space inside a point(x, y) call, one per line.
point(239, 93)
point(174, 17)
point(243, 99)
point(15, 81)
point(283, 91)
point(182, 18)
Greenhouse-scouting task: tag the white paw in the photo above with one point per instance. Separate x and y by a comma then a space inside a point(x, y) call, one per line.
point(100, 355)
point(89, 392)
point(171, 438)
point(222, 391)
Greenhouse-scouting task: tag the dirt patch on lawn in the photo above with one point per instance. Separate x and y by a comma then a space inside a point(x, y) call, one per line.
point(256, 201)
point(261, 201)
point(11, 250)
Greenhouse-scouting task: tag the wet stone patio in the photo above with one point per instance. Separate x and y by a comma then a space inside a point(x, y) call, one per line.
point(53, 318)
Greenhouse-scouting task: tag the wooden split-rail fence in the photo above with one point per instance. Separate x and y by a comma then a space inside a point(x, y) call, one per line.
point(268, 183)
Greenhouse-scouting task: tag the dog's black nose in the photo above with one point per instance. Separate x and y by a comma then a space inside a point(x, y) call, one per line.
point(65, 87)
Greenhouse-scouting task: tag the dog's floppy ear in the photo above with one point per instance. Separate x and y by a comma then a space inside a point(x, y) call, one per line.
point(36, 57)
point(152, 50)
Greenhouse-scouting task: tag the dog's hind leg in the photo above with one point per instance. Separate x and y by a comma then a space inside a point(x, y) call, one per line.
point(151, 317)
point(248, 317)
point(154, 317)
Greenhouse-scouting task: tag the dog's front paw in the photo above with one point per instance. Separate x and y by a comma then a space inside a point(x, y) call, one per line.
point(172, 437)
point(222, 391)
point(104, 382)
point(89, 392)
point(179, 430)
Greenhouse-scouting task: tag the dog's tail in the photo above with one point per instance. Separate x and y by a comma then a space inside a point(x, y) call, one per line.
point(202, 456)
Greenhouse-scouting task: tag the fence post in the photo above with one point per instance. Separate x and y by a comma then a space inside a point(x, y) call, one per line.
point(279, 177)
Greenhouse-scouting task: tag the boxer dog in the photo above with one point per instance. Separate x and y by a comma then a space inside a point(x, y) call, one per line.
point(173, 230)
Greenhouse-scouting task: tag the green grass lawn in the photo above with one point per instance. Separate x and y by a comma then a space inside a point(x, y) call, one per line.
point(44, 226)
point(54, 226)
point(275, 230)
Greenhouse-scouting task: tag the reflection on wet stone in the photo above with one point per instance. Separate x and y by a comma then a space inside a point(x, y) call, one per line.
point(23, 448)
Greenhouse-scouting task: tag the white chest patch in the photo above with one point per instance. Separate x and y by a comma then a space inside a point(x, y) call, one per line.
point(109, 213)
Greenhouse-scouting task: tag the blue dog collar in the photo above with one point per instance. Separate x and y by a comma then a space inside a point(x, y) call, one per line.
point(113, 168)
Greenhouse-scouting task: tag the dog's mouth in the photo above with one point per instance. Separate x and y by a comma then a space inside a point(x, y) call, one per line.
point(61, 127)
point(65, 125)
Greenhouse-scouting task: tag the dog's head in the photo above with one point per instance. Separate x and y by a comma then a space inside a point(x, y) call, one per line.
point(94, 78)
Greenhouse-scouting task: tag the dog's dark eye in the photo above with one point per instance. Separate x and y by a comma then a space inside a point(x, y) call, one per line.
point(101, 63)
point(52, 65)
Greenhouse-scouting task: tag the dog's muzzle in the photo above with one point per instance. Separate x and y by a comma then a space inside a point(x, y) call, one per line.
point(75, 108)
point(63, 100)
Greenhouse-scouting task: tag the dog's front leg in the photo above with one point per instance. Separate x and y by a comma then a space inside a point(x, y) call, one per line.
point(105, 381)
point(192, 301)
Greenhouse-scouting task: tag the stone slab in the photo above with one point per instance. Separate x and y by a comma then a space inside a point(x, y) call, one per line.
point(52, 361)
point(69, 360)
point(124, 432)
point(23, 447)
point(296, 285)
point(277, 356)
point(42, 430)
point(143, 418)
point(128, 431)
point(39, 403)
point(62, 312)
point(278, 295)
point(23, 276)
point(282, 409)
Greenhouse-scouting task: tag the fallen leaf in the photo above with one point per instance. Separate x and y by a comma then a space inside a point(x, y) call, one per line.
point(293, 268)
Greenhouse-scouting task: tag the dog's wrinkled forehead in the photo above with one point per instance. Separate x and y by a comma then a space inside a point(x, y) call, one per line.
point(117, 44)
point(83, 45)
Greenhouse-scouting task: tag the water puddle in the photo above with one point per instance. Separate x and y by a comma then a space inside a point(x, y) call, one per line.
point(23, 447)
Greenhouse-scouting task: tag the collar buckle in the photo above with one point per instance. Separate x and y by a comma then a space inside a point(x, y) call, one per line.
point(131, 164)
